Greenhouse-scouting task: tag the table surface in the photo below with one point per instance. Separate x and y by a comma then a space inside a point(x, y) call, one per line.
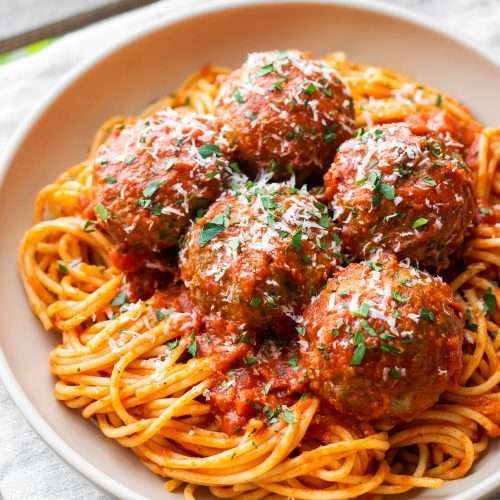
point(29, 469)
point(26, 21)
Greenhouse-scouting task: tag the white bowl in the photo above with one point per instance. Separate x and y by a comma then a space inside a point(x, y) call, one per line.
point(124, 79)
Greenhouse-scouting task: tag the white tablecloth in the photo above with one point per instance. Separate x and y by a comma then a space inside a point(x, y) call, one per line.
point(29, 470)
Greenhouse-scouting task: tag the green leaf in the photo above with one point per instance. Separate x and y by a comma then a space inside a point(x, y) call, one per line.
point(173, 344)
point(210, 231)
point(310, 89)
point(208, 150)
point(374, 266)
point(88, 226)
point(109, 179)
point(289, 416)
point(330, 135)
point(129, 159)
point(193, 346)
point(324, 221)
point(151, 189)
point(387, 191)
point(368, 328)
point(419, 223)
point(160, 315)
point(429, 181)
point(120, 299)
point(101, 211)
point(294, 362)
point(362, 312)
point(390, 348)
point(250, 360)
point(62, 268)
point(297, 240)
point(266, 69)
point(255, 301)
point(398, 297)
point(426, 314)
point(359, 351)
point(490, 301)
point(238, 97)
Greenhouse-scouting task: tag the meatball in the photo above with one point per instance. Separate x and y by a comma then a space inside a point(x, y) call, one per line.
point(383, 340)
point(259, 254)
point(151, 177)
point(286, 113)
point(390, 188)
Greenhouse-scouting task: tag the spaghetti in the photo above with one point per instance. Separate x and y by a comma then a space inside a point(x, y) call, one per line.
point(126, 365)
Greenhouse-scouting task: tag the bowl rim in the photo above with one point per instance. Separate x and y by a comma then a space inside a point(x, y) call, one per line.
point(36, 421)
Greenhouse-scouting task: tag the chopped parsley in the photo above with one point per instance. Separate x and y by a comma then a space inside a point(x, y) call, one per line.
point(101, 211)
point(277, 85)
point(390, 348)
point(419, 223)
point(255, 301)
point(362, 312)
point(88, 226)
point(120, 299)
point(429, 181)
point(398, 297)
point(129, 159)
point(173, 344)
point(288, 415)
point(294, 362)
point(374, 265)
point(251, 115)
point(330, 135)
point(360, 350)
point(387, 191)
point(266, 69)
point(368, 328)
point(324, 221)
point(110, 179)
point(490, 301)
point(209, 231)
point(310, 89)
point(297, 240)
point(193, 346)
point(250, 360)
point(238, 97)
point(160, 315)
point(426, 314)
point(227, 384)
point(208, 150)
point(62, 268)
point(151, 189)
point(271, 415)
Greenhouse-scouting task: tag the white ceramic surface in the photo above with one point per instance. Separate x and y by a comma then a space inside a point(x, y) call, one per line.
point(149, 64)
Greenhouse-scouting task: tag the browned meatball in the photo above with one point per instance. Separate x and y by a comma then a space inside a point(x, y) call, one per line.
point(258, 255)
point(285, 112)
point(383, 340)
point(152, 176)
point(409, 194)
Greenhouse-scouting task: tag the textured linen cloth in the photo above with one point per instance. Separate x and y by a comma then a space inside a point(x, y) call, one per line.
point(29, 469)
